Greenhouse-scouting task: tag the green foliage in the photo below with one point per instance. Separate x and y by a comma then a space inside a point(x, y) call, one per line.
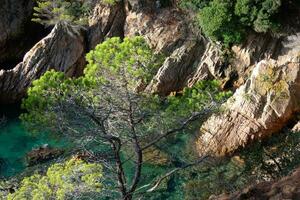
point(257, 14)
point(131, 59)
point(112, 62)
point(228, 20)
point(193, 4)
point(71, 11)
point(62, 180)
point(217, 22)
point(197, 97)
point(42, 96)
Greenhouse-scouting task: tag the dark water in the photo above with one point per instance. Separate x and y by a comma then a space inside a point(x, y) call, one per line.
point(15, 142)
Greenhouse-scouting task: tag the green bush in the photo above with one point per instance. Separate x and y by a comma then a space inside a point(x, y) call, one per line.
point(62, 181)
point(52, 12)
point(228, 20)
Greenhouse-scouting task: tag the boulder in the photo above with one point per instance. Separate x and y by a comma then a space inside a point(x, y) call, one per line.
point(285, 188)
point(259, 108)
point(62, 50)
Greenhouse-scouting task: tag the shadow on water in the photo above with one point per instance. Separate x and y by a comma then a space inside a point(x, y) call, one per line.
point(15, 141)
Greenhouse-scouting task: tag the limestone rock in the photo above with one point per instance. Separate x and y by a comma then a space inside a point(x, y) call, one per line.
point(259, 108)
point(62, 50)
point(285, 188)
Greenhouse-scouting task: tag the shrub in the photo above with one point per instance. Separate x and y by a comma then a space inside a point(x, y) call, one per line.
point(62, 180)
point(52, 12)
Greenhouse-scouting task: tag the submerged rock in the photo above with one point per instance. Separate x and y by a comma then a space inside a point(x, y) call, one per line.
point(259, 108)
point(42, 154)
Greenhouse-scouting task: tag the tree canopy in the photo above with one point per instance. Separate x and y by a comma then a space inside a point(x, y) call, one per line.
point(105, 114)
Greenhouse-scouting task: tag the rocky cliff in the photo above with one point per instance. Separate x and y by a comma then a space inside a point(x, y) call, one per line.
point(262, 104)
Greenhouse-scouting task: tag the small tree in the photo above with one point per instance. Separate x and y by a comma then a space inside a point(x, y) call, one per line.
point(104, 114)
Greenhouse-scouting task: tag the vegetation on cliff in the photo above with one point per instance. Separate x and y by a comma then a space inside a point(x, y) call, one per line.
point(105, 114)
point(229, 21)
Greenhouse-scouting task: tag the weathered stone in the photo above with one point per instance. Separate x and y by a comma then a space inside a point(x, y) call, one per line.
point(210, 65)
point(106, 21)
point(174, 73)
point(164, 29)
point(285, 188)
point(259, 108)
point(62, 50)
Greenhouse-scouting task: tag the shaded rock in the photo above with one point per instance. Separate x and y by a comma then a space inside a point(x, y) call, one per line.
point(106, 21)
point(174, 73)
point(42, 154)
point(62, 50)
point(17, 33)
point(210, 65)
point(259, 108)
point(285, 188)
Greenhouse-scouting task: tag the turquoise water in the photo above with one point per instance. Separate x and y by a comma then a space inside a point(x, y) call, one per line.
point(15, 142)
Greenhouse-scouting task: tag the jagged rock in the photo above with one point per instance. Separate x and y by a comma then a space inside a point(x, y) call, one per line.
point(210, 65)
point(42, 154)
point(17, 33)
point(62, 50)
point(164, 29)
point(259, 108)
point(173, 75)
point(285, 188)
point(106, 21)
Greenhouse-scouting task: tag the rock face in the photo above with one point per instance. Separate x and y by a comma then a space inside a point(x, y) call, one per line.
point(106, 21)
point(62, 50)
point(285, 188)
point(15, 25)
point(259, 108)
point(176, 69)
point(166, 30)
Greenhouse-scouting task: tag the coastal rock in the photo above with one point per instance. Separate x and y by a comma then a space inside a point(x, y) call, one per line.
point(106, 21)
point(62, 50)
point(285, 188)
point(259, 108)
point(175, 71)
point(42, 154)
point(15, 25)
point(164, 29)
point(210, 65)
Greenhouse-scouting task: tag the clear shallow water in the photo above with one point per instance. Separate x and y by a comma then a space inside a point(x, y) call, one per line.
point(15, 142)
